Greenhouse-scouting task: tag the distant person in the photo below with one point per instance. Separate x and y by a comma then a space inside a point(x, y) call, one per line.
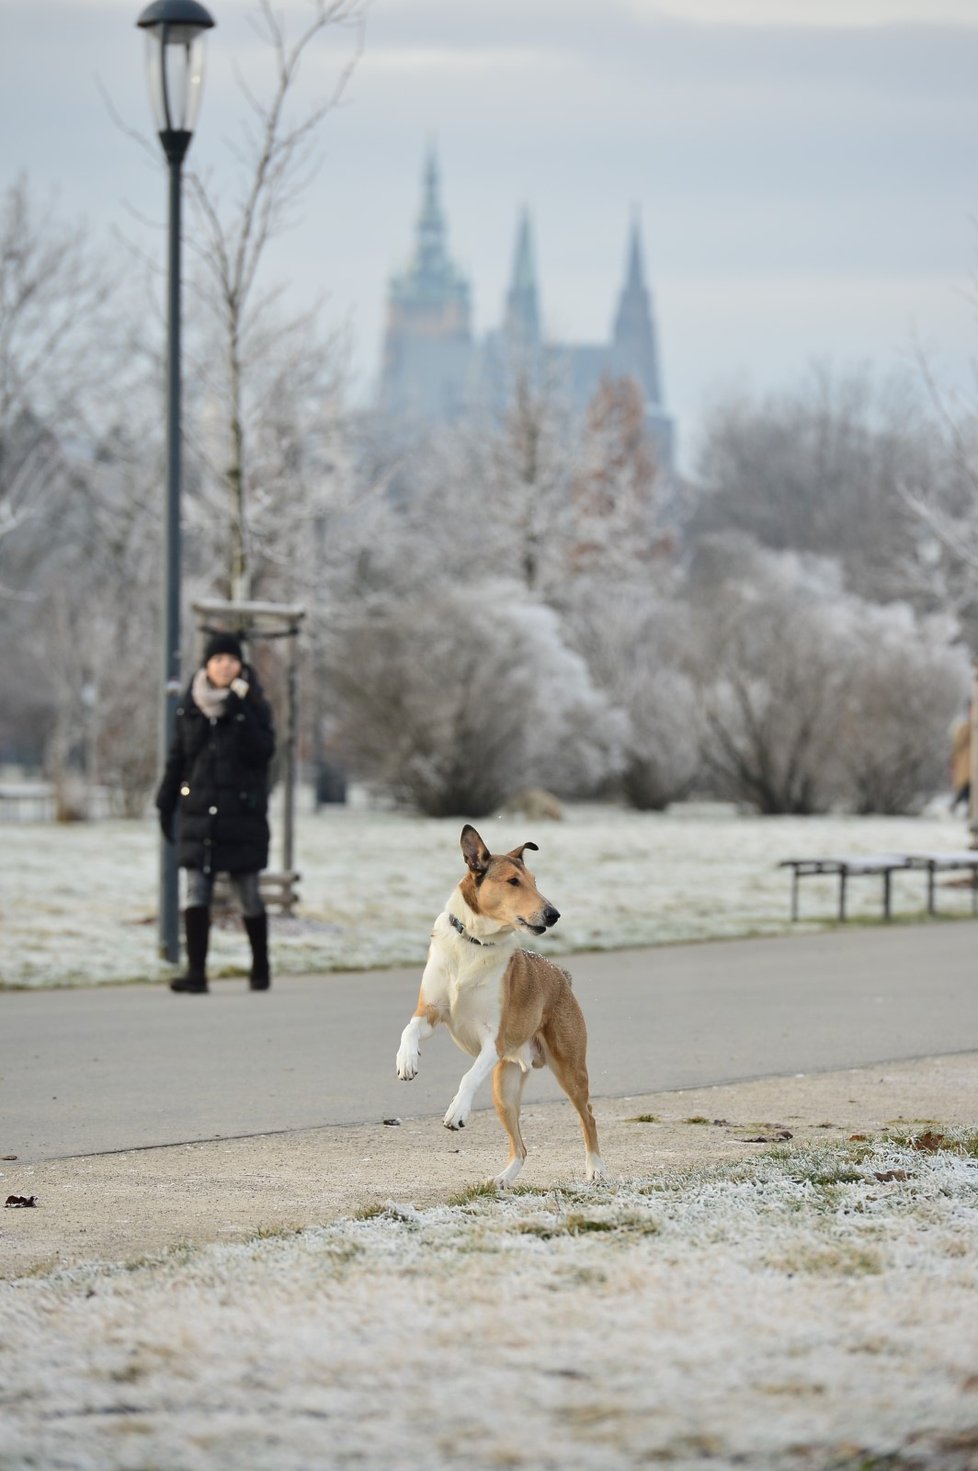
point(961, 761)
point(216, 777)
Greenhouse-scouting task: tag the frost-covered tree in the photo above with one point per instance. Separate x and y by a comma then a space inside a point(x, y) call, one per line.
point(774, 684)
point(907, 676)
point(527, 480)
point(942, 498)
point(615, 525)
point(71, 381)
point(458, 696)
point(636, 638)
point(60, 347)
point(814, 697)
point(818, 469)
point(269, 377)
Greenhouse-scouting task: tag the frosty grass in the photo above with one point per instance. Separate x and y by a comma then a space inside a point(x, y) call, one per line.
point(791, 1311)
point(78, 902)
point(809, 1309)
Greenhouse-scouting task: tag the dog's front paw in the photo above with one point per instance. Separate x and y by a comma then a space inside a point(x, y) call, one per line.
point(408, 1062)
point(458, 1112)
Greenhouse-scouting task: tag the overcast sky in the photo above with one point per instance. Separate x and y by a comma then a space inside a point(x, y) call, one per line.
point(806, 171)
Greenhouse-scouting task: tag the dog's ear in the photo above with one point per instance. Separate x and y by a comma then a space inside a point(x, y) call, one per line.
point(474, 851)
point(517, 853)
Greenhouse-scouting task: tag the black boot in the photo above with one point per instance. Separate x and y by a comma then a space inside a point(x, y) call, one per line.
point(196, 926)
point(257, 927)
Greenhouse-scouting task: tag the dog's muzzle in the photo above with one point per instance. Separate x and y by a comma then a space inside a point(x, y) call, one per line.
point(549, 918)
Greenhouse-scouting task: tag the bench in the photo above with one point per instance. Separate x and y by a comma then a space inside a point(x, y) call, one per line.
point(277, 889)
point(885, 865)
point(935, 863)
point(27, 802)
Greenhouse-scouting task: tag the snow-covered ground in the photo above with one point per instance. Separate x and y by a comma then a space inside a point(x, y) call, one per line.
point(78, 902)
point(802, 1310)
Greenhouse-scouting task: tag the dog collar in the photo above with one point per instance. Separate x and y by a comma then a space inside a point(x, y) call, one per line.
point(458, 925)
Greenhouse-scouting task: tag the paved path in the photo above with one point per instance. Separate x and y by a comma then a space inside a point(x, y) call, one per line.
point(89, 1071)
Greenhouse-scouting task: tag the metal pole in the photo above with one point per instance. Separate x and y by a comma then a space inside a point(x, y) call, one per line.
point(973, 717)
point(169, 924)
point(288, 825)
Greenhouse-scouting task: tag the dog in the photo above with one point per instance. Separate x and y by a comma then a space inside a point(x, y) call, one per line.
point(508, 1008)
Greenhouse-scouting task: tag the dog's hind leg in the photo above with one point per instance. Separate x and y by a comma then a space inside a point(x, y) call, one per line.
point(571, 1073)
point(508, 1079)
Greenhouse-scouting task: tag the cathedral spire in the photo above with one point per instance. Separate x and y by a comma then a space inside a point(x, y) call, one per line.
point(522, 322)
point(635, 279)
point(430, 243)
point(634, 352)
point(428, 338)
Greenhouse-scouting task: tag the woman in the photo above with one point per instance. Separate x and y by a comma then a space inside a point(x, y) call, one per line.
point(217, 776)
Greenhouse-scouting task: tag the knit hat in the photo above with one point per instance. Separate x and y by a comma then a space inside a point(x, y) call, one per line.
point(223, 643)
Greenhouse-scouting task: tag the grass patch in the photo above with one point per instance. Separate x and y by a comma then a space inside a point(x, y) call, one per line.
point(576, 1224)
point(274, 1233)
point(370, 1212)
point(929, 1136)
point(644, 1118)
point(833, 1259)
point(472, 1193)
point(969, 1143)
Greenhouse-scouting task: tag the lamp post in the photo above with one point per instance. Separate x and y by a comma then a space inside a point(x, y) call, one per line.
point(175, 31)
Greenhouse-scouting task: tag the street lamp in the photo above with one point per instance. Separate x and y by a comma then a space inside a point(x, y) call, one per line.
point(175, 32)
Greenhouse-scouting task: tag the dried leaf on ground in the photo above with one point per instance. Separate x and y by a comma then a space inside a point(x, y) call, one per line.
point(929, 1141)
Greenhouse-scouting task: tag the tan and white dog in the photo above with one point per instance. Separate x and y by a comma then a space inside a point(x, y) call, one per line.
point(508, 1008)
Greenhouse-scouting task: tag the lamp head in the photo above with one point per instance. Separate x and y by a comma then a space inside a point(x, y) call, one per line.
point(175, 31)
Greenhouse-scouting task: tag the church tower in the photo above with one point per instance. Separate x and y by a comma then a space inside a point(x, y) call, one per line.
point(634, 351)
point(428, 340)
point(633, 348)
point(522, 319)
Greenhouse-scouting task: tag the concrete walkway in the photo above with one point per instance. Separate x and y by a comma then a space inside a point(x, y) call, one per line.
point(113, 1068)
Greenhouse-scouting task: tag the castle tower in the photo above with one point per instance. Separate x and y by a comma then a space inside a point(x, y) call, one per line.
point(428, 339)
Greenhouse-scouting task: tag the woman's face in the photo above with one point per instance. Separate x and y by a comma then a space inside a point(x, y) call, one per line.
point(222, 668)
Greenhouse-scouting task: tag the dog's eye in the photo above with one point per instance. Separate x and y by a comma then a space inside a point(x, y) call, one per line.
point(514, 881)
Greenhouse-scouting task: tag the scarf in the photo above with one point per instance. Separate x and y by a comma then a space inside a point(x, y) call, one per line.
point(211, 701)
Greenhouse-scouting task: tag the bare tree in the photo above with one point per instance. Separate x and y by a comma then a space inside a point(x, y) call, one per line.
point(615, 486)
point(70, 384)
point(528, 473)
point(907, 677)
point(276, 160)
point(943, 499)
point(818, 469)
point(814, 697)
point(636, 635)
point(458, 696)
point(773, 685)
point(58, 347)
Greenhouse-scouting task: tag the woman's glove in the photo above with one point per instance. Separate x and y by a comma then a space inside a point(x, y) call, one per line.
point(240, 687)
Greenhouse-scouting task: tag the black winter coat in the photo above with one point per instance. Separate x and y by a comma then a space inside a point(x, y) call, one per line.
point(217, 771)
